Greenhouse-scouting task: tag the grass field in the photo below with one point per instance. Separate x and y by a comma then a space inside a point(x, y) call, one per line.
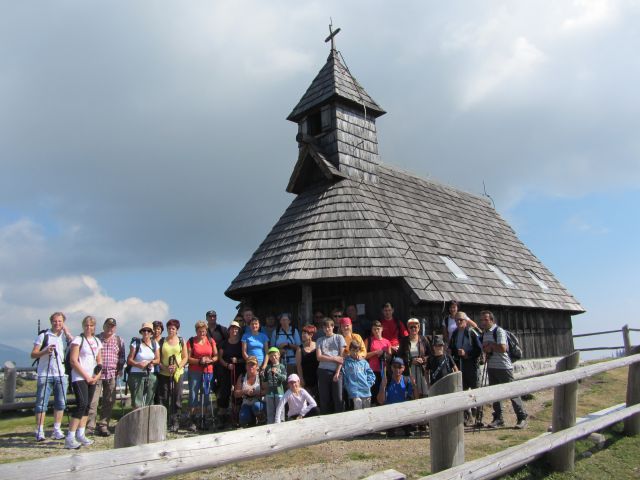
point(363, 456)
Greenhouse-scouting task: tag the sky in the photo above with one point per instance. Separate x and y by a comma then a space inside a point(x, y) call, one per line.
point(145, 153)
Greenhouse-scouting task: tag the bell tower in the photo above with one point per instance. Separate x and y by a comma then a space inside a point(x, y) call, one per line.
point(336, 121)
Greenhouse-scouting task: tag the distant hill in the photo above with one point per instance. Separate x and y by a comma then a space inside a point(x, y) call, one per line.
point(20, 357)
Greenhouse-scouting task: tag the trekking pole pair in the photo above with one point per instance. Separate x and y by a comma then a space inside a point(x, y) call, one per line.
point(40, 419)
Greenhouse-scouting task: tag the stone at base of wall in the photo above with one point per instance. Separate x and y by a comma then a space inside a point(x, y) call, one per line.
point(533, 367)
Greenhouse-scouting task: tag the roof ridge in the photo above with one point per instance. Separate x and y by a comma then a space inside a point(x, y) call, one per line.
point(437, 183)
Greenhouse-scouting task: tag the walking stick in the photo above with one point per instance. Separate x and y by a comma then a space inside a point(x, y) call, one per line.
point(234, 403)
point(172, 363)
point(59, 378)
point(44, 398)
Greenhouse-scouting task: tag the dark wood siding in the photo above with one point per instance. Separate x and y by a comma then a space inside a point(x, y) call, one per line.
point(542, 333)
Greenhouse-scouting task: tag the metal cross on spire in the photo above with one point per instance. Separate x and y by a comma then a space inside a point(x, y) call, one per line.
point(332, 34)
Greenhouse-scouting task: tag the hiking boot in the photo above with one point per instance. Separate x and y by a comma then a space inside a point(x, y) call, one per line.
point(71, 443)
point(39, 435)
point(192, 424)
point(497, 422)
point(522, 423)
point(84, 440)
point(57, 434)
point(103, 431)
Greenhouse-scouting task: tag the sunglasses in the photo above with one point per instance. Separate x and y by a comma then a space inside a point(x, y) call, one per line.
point(414, 326)
point(146, 330)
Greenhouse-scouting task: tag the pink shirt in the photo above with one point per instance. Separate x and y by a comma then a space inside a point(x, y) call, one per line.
point(375, 344)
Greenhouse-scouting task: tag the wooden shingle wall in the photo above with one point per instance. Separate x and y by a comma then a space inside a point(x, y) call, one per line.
point(541, 333)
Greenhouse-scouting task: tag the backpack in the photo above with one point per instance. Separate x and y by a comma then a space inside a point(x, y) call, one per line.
point(67, 356)
point(138, 342)
point(513, 344)
point(45, 343)
point(191, 341)
point(290, 339)
point(161, 343)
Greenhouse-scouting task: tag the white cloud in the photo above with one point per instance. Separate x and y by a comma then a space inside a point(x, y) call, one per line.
point(21, 305)
point(591, 14)
point(500, 69)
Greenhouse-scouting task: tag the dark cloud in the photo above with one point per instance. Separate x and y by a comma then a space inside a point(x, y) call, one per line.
point(142, 137)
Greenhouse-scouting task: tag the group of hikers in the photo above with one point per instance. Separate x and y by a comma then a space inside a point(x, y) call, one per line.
point(264, 372)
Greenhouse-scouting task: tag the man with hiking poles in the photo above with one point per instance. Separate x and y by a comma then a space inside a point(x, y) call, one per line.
point(49, 351)
point(499, 368)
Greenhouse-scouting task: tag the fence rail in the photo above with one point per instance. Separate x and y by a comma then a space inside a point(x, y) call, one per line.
point(626, 339)
point(209, 451)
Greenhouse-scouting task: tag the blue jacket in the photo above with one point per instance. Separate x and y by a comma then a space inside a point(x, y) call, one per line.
point(358, 377)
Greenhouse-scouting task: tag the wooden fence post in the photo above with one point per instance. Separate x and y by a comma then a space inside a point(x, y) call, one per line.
point(632, 424)
point(565, 401)
point(9, 392)
point(447, 431)
point(144, 425)
point(626, 339)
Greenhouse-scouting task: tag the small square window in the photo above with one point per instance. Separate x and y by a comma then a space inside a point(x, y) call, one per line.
point(538, 280)
point(502, 276)
point(454, 268)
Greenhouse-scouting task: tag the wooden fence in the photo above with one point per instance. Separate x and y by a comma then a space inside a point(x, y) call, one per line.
point(626, 340)
point(12, 401)
point(172, 457)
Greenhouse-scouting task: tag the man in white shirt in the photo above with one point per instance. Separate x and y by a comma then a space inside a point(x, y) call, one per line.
point(49, 351)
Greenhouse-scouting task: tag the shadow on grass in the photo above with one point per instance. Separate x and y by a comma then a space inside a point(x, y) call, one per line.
point(541, 469)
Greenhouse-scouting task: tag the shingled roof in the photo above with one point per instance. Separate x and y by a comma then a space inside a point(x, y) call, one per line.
point(399, 228)
point(334, 81)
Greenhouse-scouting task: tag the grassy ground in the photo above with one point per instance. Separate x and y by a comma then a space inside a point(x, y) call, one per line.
point(363, 456)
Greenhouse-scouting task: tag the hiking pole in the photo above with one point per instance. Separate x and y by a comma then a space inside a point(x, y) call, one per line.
point(40, 421)
point(59, 377)
point(172, 363)
point(202, 380)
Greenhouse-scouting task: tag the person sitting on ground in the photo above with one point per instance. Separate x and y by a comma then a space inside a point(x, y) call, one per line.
point(85, 357)
point(415, 351)
point(329, 353)
point(275, 376)
point(255, 343)
point(287, 339)
point(392, 328)
point(440, 363)
point(301, 403)
point(358, 377)
point(379, 352)
point(307, 361)
point(251, 389)
point(113, 360)
point(398, 388)
point(49, 353)
point(174, 356)
point(203, 353)
point(143, 357)
point(466, 350)
point(232, 366)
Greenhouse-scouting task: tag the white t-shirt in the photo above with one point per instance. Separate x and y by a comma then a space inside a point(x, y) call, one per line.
point(145, 354)
point(56, 363)
point(89, 349)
